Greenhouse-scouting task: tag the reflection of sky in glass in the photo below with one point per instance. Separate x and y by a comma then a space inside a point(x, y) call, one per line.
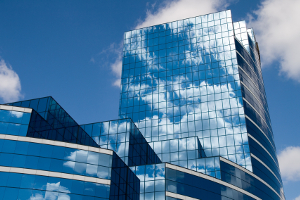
point(241, 33)
point(14, 122)
point(33, 187)
point(52, 190)
point(152, 180)
point(123, 137)
point(180, 79)
point(112, 135)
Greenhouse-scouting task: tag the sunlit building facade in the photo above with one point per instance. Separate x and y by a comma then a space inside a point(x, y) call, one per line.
point(194, 124)
point(200, 78)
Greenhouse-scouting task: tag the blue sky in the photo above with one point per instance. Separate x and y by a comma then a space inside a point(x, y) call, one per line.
point(70, 50)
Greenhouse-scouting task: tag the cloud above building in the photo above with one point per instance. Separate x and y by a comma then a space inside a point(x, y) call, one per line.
point(181, 9)
point(277, 31)
point(10, 85)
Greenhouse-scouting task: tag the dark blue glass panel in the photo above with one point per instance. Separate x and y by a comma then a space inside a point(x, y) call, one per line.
point(196, 187)
point(247, 182)
point(48, 117)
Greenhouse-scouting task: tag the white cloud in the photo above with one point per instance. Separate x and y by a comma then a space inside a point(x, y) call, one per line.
point(168, 12)
point(181, 9)
point(10, 86)
point(297, 198)
point(289, 161)
point(111, 57)
point(117, 69)
point(277, 32)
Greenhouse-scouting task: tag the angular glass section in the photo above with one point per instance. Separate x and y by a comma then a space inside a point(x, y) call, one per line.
point(58, 119)
point(123, 137)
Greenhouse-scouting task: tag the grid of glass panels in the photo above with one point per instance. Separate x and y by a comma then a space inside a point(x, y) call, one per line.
point(152, 181)
point(123, 137)
point(241, 33)
point(14, 122)
point(24, 186)
point(180, 79)
point(178, 151)
point(54, 158)
point(124, 183)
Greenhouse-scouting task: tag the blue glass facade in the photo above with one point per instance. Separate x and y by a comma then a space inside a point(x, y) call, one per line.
point(194, 124)
point(200, 78)
point(123, 137)
point(57, 118)
point(34, 166)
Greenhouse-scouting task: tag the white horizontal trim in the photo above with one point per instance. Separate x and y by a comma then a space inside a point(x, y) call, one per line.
point(263, 148)
point(179, 196)
point(249, 89)
point(248, 63)
point(260, 130)
point(54, 174)
point(15, 108)
point(248, 172)
point(251, 81)
point(266, 166)
point(55, 143)
point(188, 171)
point(257, 112)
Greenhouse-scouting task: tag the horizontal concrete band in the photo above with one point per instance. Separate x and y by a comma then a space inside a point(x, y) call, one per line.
point(248, 172)
point(55, 143)
point(14, 108)
point(179, 196)
point(188, 171)
point(54, 174)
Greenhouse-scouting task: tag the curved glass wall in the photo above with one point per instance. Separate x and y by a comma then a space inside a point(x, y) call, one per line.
point(24, 186)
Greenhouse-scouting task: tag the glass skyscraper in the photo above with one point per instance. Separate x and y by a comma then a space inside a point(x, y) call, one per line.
point(194, 124)
point(200, 79)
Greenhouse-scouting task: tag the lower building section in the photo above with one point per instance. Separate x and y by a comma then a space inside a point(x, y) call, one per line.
point(122, 165)
point(37, 169)
point(38, 187)
point(167, 181)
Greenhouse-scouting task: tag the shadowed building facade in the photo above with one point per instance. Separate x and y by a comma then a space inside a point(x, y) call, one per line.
point(194, 124)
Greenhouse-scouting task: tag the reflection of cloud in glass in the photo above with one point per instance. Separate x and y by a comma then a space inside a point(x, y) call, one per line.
point(51, 193)
point(82, 156)
point(16, 114)
point(183, 81)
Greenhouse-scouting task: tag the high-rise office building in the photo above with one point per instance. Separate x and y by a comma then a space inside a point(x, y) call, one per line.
point(194, 124)
point(200, 79)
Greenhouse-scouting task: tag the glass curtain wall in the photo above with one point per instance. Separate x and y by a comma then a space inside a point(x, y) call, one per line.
point(180, 79)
